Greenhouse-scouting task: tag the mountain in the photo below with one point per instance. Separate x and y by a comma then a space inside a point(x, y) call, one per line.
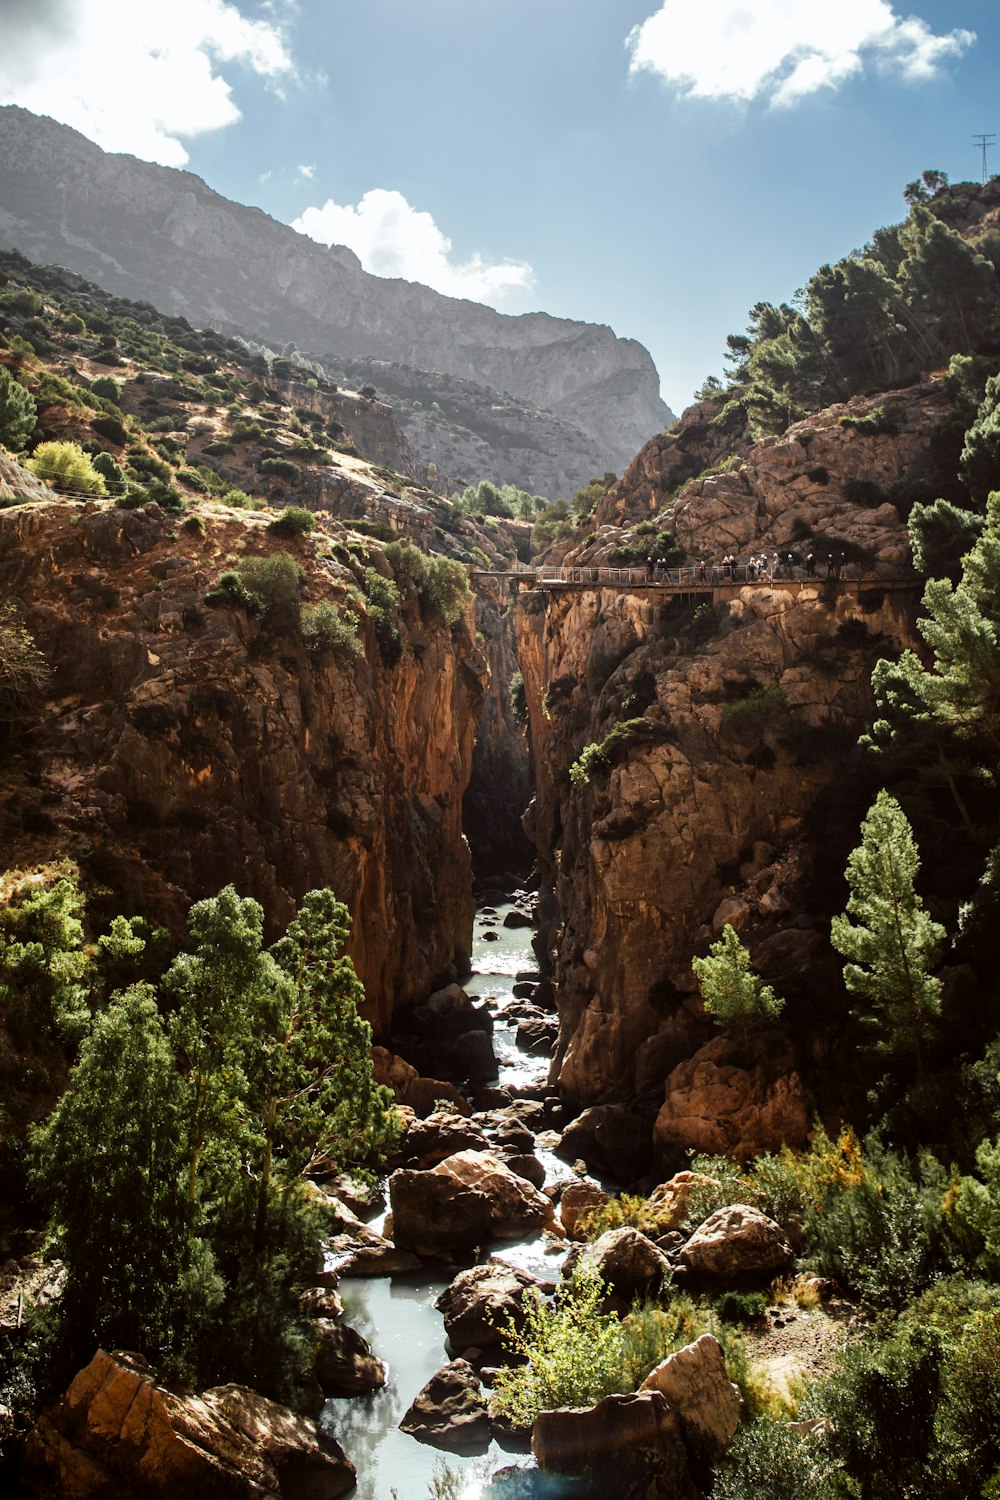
point(552, 402)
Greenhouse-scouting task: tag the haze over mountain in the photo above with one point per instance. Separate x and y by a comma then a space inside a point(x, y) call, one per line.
point(544, 402)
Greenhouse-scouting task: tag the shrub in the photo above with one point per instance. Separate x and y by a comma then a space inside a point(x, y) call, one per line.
point(280, 468)
point(108, 388)
point(111, 472)
point(447, 588)
point(66, 467)
point(294, 520)
point(879, 420)
point(758, 706)
point(572, 1352)
point(598, 757)
point(325, 629)
point(741, 1307)
point(383, 607)
point(17, 412)
point(768, 1458)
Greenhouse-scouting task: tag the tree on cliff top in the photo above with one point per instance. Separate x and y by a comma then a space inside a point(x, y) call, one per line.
point(894, 943)
point(733, 995)
point(17, 412)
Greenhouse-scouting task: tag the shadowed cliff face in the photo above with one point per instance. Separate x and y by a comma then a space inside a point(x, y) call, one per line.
point(157, 234)
point(739, 719)
point(184, 747)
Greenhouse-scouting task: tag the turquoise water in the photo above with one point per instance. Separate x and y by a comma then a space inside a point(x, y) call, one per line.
point(398, 1318)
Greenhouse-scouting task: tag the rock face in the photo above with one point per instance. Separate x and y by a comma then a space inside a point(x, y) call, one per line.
point(583, 400)
point(716, 1107)
point(632, 1445)
point(696, 1385)
point(117, 1435)
point(186, 747)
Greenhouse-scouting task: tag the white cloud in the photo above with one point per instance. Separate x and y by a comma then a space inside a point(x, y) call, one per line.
point(135, 76)
point(391, 238)
point(782, 50)
point(308, 171)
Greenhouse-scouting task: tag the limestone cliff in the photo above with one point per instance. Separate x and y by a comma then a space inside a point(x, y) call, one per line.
point(717, 728)
point(184, 746)
point(154, 233)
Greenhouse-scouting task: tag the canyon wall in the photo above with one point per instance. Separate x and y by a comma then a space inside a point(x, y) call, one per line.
point(718, 730)
point(183, 746)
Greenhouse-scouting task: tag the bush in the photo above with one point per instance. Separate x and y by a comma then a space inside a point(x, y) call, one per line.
point(66, 467)
point(383, 607)
point(325, 629)
point(294, 520)
point(572, 1352)
point(741, 1307)
point(24, 672)
point(108, 388)
point(111, 472)
point(756, 708)
point(280, 468)
point(598, 757)
point(768, 1459)
point(17, 412)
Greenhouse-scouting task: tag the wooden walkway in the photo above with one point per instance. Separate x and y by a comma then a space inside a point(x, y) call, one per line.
point(688, 583)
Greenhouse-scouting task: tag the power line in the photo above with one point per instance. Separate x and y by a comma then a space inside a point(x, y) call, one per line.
point(984, 141)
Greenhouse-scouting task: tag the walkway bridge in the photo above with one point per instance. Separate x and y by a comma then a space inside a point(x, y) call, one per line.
point(716, 584)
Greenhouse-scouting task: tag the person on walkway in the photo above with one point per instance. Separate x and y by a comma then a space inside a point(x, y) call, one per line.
point(701, 571)
point(649, 568)
point(811, 565)
point(841, 565)
point(790, 565)
point(776, 566)
point(829, 565)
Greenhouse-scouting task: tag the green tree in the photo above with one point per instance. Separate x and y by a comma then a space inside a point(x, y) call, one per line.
point(949, 287)
point(940, 536)
point(733, 995)
point(110, 1159)
point(65, 467)
point(17, 412)
point(44, 964)
point(980, 463)
point(112, 473)
point(893, 945)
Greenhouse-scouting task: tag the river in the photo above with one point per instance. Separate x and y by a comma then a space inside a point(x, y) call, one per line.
point(398, 1318)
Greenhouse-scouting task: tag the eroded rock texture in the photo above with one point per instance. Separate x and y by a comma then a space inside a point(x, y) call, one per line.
point(187, 746)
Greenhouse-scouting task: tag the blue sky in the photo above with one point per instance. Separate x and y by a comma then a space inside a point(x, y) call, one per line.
point(658, 165)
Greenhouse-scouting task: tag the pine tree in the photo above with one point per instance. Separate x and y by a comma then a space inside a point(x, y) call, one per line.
point(894, 943)
point(733, 995)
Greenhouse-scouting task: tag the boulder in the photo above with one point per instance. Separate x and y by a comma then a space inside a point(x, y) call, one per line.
point(577, 1200)
point(738, 1245)
point(120, 1435)
point(628, 1261)
point(450, 1411)
point(669, 1202)
point(474, 1058)
point(466, 1199)
point(537, 1037)
point(525, 1165)
point(713, 1106)
point(612, 1139)
point(410, 1088)
point(628, 1446)
point(345, 1364)
point(479, 1302)
point(518, 918)
point(709, 1406)
point(440, 1135)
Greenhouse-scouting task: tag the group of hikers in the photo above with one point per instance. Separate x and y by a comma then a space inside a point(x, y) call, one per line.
point(758, 567)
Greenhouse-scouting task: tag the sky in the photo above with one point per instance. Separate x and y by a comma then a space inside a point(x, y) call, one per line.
point(656, 165)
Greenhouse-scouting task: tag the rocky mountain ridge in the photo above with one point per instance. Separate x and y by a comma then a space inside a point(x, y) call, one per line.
point(154, 233)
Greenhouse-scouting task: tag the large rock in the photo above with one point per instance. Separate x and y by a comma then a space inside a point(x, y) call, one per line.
point(709, 1406)
point(716, 1106)
point(480, 1302)
point(345, 1364)
point(440, 1135)
point(467, 1199)
point(632, 1445)
point(579, 1200)
point(612, 1139)
point(628, 1261)
point(669, 1202)
point(410, 1088)
point(450, 1411)
point(736, 1245)
point(119, 1435)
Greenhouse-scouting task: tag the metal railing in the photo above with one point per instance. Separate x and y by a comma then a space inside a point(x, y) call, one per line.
point(715, 575)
